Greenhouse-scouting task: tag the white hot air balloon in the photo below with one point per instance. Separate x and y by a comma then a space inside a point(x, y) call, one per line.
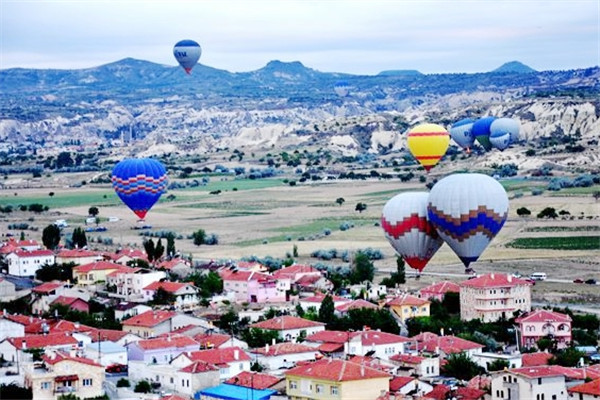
point(187, 53)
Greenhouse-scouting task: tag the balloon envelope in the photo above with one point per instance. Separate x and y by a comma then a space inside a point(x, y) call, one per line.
point(502, 126)
point(481, 131)
point(467, 210)
point(139, 183)
point(406, 227)
point(500, 140)
point(187, 53)
point(461, 133)
point(342, 88)
point(428, 143)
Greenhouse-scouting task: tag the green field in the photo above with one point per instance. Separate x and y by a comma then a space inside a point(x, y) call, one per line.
point(237, 184)
point(558, 243)
point(576, 191)
point(522, 185)
point(587, 228)
point(74, 198)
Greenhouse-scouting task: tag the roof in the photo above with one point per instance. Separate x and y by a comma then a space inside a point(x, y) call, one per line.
point(283, 349)
point(41, 341)
point(438, 392)
point(339, 337)
point(240, 275)
point(171, 287)
point(198, 367)
point(591, 388)
point(167, 342)
point(375, 338)
point(360, 303)
point(170, 264)
point(318, 298)
point(535, 359)
point(173, 397)
point(449, 344)
point(59, 356)
point(47, 287)
point(440, 288)
point(293, 270)
point(336, 370)
point(33, 253)
point(232, 392)
point(330, 347)
point(407, 358)
point(544, 316)
point(254, 380)
point(468, 393)
point(495, 280)
point(149, 318)
point(536, 372)
point(372, 362)
point(219, 356)
point(211, 340)
point(98, 266)
point(286, 322)
point(77, 253)
point(67, 301)
point(32, 325)
point(398, 382)
point(407, 300)
point(424, 336)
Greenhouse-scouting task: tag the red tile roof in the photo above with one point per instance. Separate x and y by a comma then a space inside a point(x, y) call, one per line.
point(319, 297)
point(47, 287)
point(339, 337)
point(286, 322)
point(33, 253)
point(495, 280)
point(440, 288)
point(356, 304)
point(335, 370)
point(149, 318)
point(330, 347)
point(544, 316)
point(480, 382)
point(438, 393)
point(535, 359)
point(98, 266)
point(198, 367)
point(449, 345)
point(77, 253)
point(167, 342)
point(576, 373)
point(222, 356)
point(283, 349)
point(407, 358)
point(536, 372)
point(424, 336)
point(467, 393)
point(111, 335)
point(308, 280)
point(170, 264)
point(170, 287)
point(254, 380)
point(211, 340)
point(124, 270)
point(293, 270)
point(407, 300)
point(591, 388)
point(173, 397)
point(243, 276)
point(60, 356)
point(41, 341)
point(376, 338)
point(398, 382)
point(372, 362)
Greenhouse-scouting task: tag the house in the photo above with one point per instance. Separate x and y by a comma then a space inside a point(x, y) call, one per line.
point(150, 323)
point(484, 359)
point(405, 385)
point(18, 349)
point(184, 293)
point(256, 380)
point(218, 341)
point(7, 290)
point(494, 296)
point(336, 344)
point(407, 306)
point(230, 360)
point(542, 382)
point(9, 328)
point(289, 327)
point(438, 290)
point(283, 355)
point(177, 266)
point(374, 362)
point(72, 303)
point(90, 274)
point(47, 293)
point(539, 324)
point(443, 392)
point(585, 391)
point(333, 378)
point(77, 256)
point(535, 359)
point(414, 365)
point(343, 309)
point(252, 287)
point(288, 276)
point(371, 291)
point(310, 283)
point(233, 392)
point(125, 309)
point(382, 345)
point(63, 374)
point(26, 263)
point(106, 353)
point(126, 256)
point(129, 283)
point(161, 350)
point(447, 345)
point(315, 301)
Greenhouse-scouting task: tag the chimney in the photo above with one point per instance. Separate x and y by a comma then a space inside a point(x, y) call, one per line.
point(267, 348)
point(236, 354)
point(362, 369)
point(273, 342)
point(509, 278)
point(442, 331)
point(492, 275)
point(24, 345)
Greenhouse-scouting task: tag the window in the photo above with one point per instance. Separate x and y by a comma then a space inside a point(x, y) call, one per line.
point(539, 381)
point(45, 386)
point(334, 390)
point(319, 388)
point(293, 385)
point(87, 382)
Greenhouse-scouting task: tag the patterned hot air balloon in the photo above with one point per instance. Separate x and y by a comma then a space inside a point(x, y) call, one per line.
point(139, 183)
point(187, 53)
point(428, 143)
point(342, 88)
point(406, 227)
point(481, 131)
point(504, 132)
point(467, 210)
point(461, 133)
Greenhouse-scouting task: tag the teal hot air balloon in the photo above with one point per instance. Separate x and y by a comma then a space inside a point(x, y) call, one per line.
point(187, 53)
point(461, 132)
point(481, 131)
point(467, 210)
point(504, 132)
point(139, 183)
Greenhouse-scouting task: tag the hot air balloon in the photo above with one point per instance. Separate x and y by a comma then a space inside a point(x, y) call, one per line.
point(503, 126)
point(139, 183)
point(428, 143)
point(461, 133)
point(342, 88)
point(406, 227)
point(467, 210)
point(481, 131)
point(187, 53)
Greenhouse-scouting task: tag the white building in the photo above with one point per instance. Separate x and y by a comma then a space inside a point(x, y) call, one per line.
point(289, 327)
point(26, 263)
point(283, 355)
point(130, 284)
point(485, 359)
point(529, 383)
point(106, 353)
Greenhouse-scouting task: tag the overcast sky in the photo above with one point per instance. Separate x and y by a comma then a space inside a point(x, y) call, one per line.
point(357, 37)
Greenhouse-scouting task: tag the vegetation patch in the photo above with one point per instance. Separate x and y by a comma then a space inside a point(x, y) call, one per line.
point(563, 228)
point(558, 243)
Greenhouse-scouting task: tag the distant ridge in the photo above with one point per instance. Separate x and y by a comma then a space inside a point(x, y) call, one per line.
point(400, 72)
point(514, 66)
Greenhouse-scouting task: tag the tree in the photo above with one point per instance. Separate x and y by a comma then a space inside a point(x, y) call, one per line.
point(149, 248)
point(162, 297)
point(123, 382)
point(498, 365)
point(143, 387)
point(51, 236)
point(360, 207)
point(62, 272)
point(523, 212)
point(159, 250)
point(398, 277)
point(327, 310)
point(258, 337)
point(79, 240)
point(363, 269)
point(64, 160)
point(340, 201)
point(548, 212)
point(170, 244)
point(199, 237)
point(14, 391)
point(460, 366)
point(568, 357)
point(93, 211)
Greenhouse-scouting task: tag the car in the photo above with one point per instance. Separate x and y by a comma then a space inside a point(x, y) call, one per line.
point(578, 280)
point(591, 282)
point(532, 281)
point(115, 368)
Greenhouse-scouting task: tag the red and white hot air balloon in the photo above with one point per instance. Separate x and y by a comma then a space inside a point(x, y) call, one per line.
point(407, 228)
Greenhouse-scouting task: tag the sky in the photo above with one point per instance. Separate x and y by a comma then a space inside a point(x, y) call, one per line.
point(349, 36)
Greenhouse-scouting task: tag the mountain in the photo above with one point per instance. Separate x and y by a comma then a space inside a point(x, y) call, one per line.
point(514, 66)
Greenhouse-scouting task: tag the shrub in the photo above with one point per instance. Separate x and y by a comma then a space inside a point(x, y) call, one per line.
point(123, 382)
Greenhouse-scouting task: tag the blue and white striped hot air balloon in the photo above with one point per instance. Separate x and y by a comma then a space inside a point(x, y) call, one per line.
point(139, 183)
point(504, 132)
point(467, 210)
point(461, 133)
point(187, 53)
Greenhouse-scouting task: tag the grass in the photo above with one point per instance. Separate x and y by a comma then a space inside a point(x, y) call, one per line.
point(239, 184)
point(521, 185)
point(73, 198)
point(558, 243)
point(575, 191)
point(563, 228)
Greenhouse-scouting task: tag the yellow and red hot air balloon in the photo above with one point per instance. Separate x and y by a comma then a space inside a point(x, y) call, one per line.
point(428, 143)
